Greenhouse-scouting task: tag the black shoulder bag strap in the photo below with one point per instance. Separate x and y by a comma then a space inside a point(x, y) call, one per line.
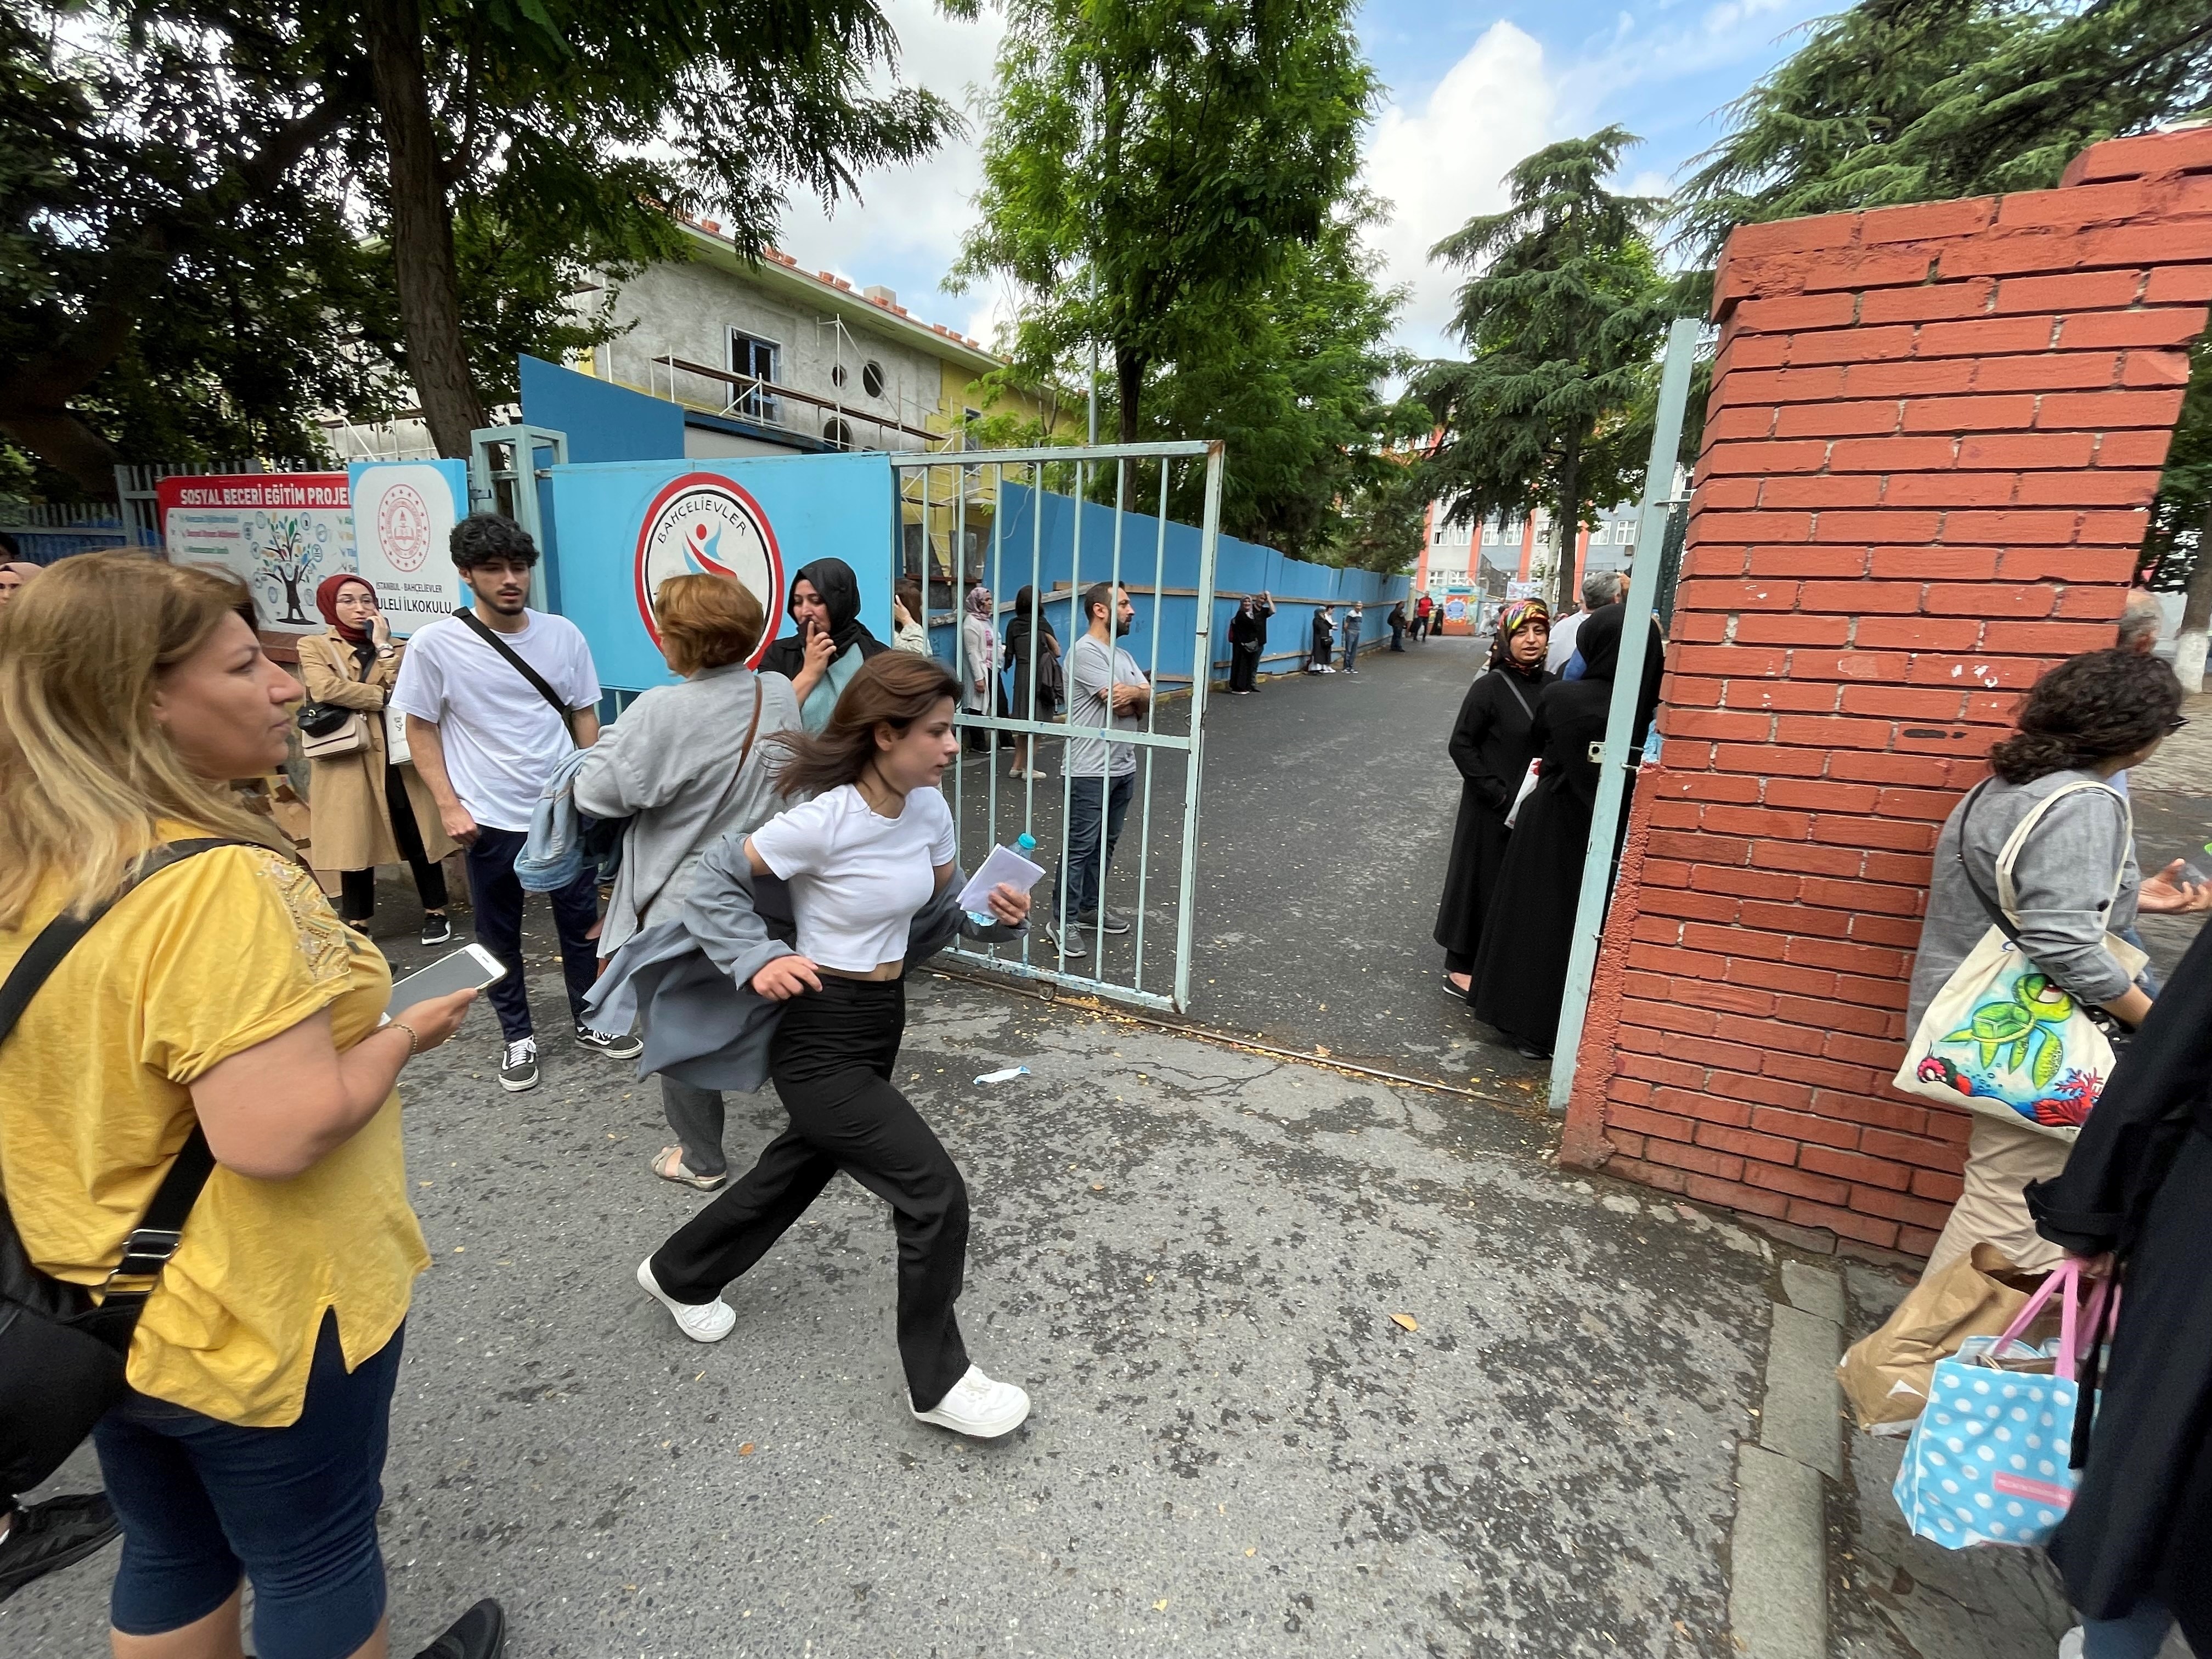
point(154, 1240)
point(514, 662)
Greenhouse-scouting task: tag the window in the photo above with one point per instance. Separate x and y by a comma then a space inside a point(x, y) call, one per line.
point(872, 377)
point(755, 358)
point(1601, 533)
point(837, 434)
point(1626, 533)
point(969, 418)
point(837, 375)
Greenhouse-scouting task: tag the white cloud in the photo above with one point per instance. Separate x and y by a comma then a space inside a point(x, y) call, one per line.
point(905, 229)
point(1440, 164)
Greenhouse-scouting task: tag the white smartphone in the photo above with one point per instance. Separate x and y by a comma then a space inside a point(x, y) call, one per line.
point(469, 969)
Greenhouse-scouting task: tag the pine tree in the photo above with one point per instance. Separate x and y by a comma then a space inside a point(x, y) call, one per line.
point(1563, 319)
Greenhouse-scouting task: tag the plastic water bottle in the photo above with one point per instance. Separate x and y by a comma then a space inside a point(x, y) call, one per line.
point(1025, 844)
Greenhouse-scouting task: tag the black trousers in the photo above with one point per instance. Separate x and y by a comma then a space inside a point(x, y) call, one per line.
point(357, 888)
point(831, 1062)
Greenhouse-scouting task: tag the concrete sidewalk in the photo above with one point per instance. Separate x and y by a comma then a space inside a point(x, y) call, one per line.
point(1191, 1255)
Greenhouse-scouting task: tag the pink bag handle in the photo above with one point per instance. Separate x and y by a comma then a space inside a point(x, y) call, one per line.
point(2066, 1277)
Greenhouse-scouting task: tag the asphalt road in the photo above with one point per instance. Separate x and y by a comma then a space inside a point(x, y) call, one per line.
point(1325, 823)
point(1191, 1257)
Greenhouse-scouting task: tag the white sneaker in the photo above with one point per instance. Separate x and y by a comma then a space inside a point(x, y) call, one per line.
point(2069, 1645)
point(977, 1406)
point(702, 1322)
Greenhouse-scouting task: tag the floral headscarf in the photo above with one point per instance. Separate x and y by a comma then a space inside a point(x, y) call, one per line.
point(979, 601)
point(1515, 615)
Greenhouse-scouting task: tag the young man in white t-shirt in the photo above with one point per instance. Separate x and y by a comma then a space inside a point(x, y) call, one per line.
point(485, 740)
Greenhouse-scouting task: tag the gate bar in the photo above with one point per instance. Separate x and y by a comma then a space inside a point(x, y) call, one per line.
point(1628, 676)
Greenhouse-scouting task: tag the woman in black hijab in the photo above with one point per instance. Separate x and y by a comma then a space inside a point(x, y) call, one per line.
point(1521, 967)
point(1490, 745)
point(2138, 1185)
point(830, 644)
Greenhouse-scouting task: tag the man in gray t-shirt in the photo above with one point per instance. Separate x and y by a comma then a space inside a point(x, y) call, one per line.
point(1106, 691)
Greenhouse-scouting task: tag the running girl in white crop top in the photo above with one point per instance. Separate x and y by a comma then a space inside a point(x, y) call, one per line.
point(874, 845)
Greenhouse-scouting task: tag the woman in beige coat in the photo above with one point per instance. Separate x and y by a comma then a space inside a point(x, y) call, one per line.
point(365, 810)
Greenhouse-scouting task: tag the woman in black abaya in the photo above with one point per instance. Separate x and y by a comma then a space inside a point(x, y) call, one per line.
point(2138, 1184)
point(1490, 744)
point(1521, 968)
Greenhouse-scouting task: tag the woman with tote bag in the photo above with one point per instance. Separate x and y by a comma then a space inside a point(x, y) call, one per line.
point(2072, 881)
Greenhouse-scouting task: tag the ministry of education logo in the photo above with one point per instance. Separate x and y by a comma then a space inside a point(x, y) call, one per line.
point(703, 524)
point(403, 527)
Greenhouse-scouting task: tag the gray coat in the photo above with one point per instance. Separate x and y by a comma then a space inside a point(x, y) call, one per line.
point(2062, 881)
point(667, 766)
point(691, 978)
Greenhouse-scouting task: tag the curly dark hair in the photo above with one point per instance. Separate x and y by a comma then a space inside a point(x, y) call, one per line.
point(483, 536)
point(2089, 709)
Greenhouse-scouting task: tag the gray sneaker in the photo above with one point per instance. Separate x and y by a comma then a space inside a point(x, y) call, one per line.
point(1067, 942)
point(1109, 921)
point(518, 1066)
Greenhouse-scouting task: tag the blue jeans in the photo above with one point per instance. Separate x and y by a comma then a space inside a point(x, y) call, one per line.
point(205, 1502)
point(1080, 878)
point(2140, 1635)
point(498, 897)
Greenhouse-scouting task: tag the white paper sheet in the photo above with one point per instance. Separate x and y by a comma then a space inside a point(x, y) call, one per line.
point(1005, 864)
point(1528, 788)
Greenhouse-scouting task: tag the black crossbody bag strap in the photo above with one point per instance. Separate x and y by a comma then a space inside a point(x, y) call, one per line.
point(514, 660)
point(154, 1240)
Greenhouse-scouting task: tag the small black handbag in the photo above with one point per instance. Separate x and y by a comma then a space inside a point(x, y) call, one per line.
point(63, 1355)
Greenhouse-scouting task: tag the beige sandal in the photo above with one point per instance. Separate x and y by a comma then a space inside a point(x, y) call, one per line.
point(669, 1166)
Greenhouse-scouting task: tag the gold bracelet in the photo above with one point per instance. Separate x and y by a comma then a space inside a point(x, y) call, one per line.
point(413, 1040)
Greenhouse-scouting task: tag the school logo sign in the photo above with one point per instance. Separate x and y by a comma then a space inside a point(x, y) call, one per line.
point(403, 525)
point(703, 524)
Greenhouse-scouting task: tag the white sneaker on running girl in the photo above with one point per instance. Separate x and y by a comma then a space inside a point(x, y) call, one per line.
point(977, 1406)
point(702, 1322)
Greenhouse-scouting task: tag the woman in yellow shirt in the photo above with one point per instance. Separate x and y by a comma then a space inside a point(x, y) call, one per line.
point(221, 991)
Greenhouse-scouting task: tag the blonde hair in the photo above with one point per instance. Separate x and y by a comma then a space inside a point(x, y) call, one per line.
point(87, 774)
point(706, 621)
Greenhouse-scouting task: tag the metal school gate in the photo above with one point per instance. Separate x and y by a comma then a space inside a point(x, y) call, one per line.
point(1051, 523)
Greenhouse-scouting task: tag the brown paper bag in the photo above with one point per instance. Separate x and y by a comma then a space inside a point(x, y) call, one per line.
point(1886, 1374)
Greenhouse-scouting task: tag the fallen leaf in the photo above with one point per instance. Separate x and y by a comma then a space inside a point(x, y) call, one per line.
point(1322, 1049)
point(1406, 1320)
point(1098, 1187)
point(1253, 1551)
point(1159, 1607)
point(745, 1450)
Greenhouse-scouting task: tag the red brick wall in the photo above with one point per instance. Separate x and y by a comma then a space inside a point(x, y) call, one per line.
point(1932, 437)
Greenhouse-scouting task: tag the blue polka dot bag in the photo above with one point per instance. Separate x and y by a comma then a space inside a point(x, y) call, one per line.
point(1987, 1462)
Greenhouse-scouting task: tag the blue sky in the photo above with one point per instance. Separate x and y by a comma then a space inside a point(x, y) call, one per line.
point(1472, 88)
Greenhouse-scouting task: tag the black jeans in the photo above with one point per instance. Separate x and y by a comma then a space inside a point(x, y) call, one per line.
point(832, 1061)
point(1079, 880)
point(357, 888)
point(497, 897)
